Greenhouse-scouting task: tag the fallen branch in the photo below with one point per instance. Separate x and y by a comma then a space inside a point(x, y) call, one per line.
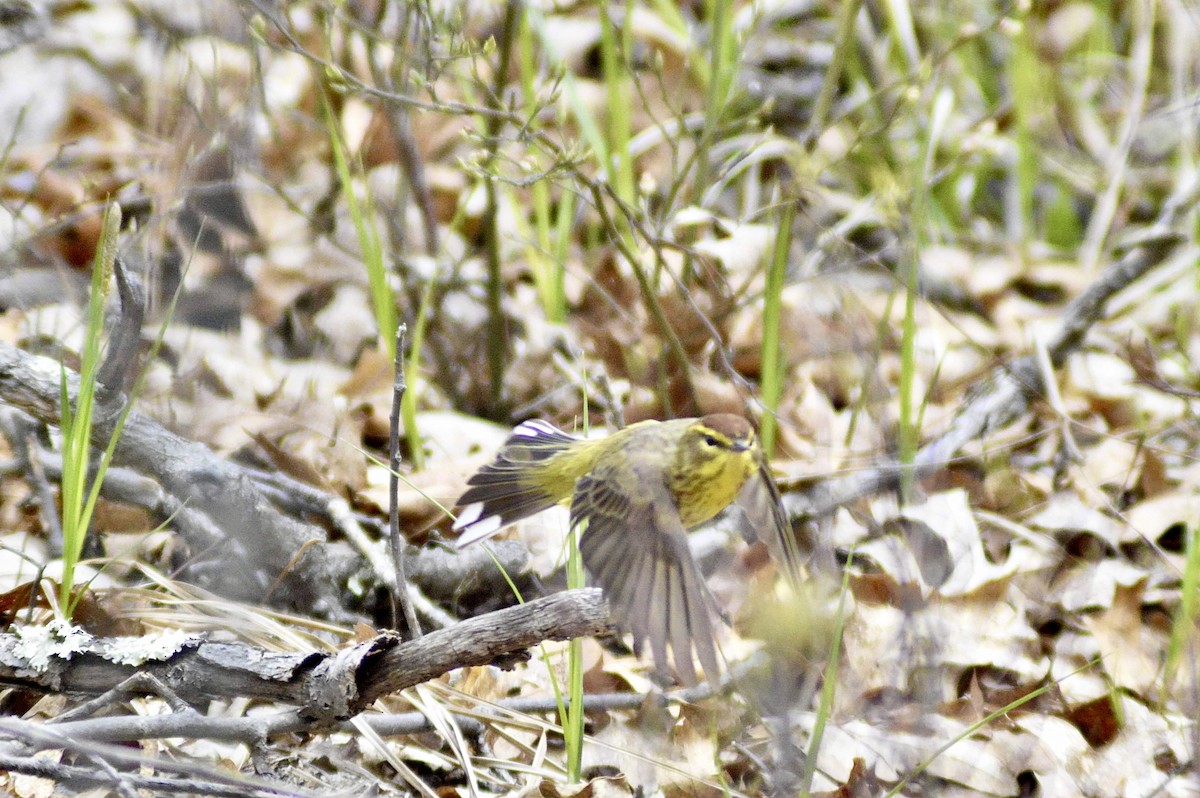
point(472, 720)
point(260, 543)
point(325, 687)
point(122, 769)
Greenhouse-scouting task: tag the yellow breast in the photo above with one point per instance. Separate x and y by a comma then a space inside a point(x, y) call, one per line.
point(711, 487)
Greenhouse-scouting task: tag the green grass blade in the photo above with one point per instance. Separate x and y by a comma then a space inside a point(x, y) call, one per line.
point(828, 685)
point(76, 424)
point(382, 301)
point(1183, 627)
point(615, 61)
point(772, 360)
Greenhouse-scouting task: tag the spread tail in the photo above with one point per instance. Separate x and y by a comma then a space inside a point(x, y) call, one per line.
point(508, 489)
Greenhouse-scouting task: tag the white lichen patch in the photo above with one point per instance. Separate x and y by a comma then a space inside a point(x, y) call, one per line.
point(58, 639)
point(148, 648)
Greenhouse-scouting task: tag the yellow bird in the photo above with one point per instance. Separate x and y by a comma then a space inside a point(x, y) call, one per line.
point(637, 493)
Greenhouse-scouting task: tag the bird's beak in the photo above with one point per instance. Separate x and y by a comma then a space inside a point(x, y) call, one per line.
point(740, 445)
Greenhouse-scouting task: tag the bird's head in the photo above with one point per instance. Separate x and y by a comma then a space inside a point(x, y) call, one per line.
point(718, 442)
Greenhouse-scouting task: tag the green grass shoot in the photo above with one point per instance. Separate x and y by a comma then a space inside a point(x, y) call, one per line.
point(772, 360)
point(78, 495)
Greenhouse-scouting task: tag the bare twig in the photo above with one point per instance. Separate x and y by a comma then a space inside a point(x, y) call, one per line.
point(396, 82)
point(674, 345)
point(402, 604)
point(136, 685)
point(497, 346)
point(22, 433)
point(124, 337)
point(187, 778)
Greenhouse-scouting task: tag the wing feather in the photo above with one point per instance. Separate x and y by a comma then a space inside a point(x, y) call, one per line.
point(763, 506)
point(678, 623)
point(636, 549)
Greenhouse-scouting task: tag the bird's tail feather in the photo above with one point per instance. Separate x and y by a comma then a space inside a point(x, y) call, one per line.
point(508, 489)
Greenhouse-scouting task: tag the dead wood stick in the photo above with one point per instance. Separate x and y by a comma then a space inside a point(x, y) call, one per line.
point(219, 489)
point(472, 720)
point(238, 523)
point(120, 768)
point(325, 687)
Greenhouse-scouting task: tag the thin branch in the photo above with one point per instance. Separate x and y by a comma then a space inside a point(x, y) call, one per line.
point(402, 604)
point(187, 777)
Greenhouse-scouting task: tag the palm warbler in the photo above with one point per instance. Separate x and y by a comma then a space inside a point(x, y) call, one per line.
point(638, 492)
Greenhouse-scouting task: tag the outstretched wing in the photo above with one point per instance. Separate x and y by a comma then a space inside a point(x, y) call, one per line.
point(763, 506)
point(636, 548)
point(506, 489)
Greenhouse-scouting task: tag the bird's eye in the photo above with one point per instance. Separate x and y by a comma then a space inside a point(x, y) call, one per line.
point(711, 441)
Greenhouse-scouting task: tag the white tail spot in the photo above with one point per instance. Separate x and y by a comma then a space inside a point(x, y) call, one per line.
point(469, 515)
point(535, 429)
point(473, 527)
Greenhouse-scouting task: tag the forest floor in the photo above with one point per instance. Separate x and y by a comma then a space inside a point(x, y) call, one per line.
point(944, 257)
